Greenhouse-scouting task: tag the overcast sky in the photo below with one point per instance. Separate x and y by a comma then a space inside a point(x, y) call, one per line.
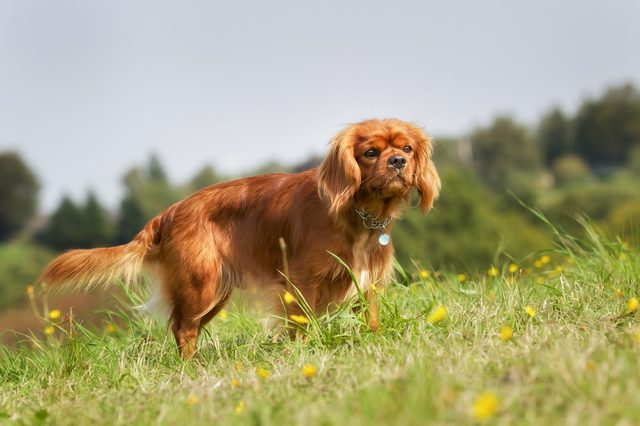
point(90, 88)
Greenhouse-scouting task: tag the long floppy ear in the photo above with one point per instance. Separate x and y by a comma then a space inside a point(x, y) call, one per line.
point(339, 173)
point(426, 176)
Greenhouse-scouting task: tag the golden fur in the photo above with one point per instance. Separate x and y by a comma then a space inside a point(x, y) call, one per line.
point(227, 235)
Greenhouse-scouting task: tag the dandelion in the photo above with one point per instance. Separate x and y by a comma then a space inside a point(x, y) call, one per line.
point(288, 298)
point(513, 268)
point(545, 259)
point(234, 383)
point(223, 315)
point(300, 319)
point(309, 371)
point(619, 293)
point(262, 373)
point(485, 406)
point(239, 407)
point(530, 311)
point(506, 333)
point(632, 304)
point(462, 277)
point(424, 274)
point(193, 399)
point(439, 314)
point(49, 330)
point(111, 328)
point(492, 272)
point(55, 314)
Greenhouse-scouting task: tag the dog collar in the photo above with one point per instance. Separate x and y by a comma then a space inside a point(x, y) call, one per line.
point(370, 221)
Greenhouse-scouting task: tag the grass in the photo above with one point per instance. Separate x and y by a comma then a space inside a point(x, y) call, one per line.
point(443, 355)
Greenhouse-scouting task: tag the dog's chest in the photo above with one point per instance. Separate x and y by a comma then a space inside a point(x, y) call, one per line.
point(365, 258)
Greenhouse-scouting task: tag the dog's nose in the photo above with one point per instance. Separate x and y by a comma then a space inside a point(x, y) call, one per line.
point(397, 162)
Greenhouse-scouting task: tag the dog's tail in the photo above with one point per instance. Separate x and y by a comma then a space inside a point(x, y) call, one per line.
point(103, 266)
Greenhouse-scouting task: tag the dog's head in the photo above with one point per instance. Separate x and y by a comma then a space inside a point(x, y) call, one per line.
point(384, 158)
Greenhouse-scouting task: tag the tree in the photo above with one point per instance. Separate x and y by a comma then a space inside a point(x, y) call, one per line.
point(97, 226)
point(65, 228)
point(555, 135)
point(205, 177)
point(130, 220)
point(607, 129)
point(18, 194)
point(506, 157)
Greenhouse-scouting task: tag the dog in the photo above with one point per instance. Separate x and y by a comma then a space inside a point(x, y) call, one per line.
point(230, 234)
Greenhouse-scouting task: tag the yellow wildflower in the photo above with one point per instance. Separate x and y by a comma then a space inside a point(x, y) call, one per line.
point(493, 271)
point(309, 371)
point(111, 328)
point(537, 264)
point(545, 259)
point(55, 314)
point(193, 399)
point(300, 319)
point(239, 407)
point(506, 333)
point(619, 293)
point(485, 406)
point(265, 374)
point(424, 274)
point(234, 383)
point(632, 304)
point(513, 268)
point(288, 298)
point(462, 277)
point(223, 315)
point(530, 311)
point(438, 314)
point(49, 330)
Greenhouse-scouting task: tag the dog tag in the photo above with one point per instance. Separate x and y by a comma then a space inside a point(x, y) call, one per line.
point(384, 239)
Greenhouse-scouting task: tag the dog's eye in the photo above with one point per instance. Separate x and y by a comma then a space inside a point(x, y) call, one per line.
point(370, 153)
point(407, 149)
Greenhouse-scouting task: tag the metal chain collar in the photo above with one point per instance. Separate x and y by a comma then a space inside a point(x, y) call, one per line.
point(374, 222)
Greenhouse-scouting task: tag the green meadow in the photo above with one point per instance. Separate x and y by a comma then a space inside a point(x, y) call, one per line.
point(552, 338)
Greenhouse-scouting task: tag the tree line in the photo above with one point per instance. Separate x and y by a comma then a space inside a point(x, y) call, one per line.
point(561, 151)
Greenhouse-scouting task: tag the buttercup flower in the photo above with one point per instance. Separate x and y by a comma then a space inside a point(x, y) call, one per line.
point(55, 314)
point(513, 268)
point(288, 298)
point(506, 333)
point(462, 278)
point(265, 374)
point(632, 304)
point(300, 319)
point(530, 311)
point(485, 406)
point(309, 370)
point(493, 271)
point(438, 314)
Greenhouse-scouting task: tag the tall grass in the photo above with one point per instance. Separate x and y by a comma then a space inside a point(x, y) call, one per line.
point(573, 357)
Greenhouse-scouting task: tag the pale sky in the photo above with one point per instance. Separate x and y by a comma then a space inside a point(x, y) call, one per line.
point(90, 88)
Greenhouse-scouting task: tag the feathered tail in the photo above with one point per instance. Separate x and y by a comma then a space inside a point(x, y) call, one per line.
point(103, 266)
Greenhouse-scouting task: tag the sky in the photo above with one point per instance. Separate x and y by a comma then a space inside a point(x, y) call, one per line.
point(89, 89)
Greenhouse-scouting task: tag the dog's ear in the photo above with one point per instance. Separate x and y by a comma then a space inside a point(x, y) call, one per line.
point(339, 173)
point(426, 177)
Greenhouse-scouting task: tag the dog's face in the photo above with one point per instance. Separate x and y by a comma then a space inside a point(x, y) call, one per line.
point(384, 158)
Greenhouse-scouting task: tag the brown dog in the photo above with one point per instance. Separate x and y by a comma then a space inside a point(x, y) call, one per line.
point(227, 235)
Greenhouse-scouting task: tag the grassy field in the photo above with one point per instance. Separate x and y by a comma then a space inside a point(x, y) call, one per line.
point(551, 339)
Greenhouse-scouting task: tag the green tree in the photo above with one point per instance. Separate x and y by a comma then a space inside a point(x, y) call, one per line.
point(65, 228)
point(96, 223)
point(506, 157)
point(555, 135)
point(131, 219)
point(607, 129)
point(205, 177)
point(18, 194)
